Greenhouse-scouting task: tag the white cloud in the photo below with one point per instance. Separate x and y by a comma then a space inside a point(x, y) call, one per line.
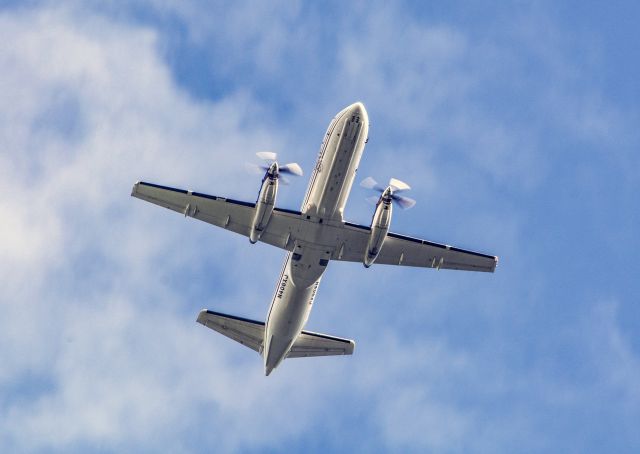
point(84, 304)
point(100, 290)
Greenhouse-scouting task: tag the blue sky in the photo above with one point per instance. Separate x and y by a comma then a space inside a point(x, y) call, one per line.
point(516, 125)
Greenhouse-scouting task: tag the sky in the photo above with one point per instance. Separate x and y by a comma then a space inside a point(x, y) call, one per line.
point(516, 124)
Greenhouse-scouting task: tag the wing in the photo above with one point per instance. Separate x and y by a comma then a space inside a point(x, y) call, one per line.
point(315, 344)
point(247, 332)
point(229, 214)
point(404, 250)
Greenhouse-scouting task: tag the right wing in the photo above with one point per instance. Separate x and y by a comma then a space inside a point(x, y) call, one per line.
point(408, 251)
point(234, 215)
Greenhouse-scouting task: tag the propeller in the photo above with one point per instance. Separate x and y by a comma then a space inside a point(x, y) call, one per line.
point(272, 167)
point(289, 169)
point(395, 186)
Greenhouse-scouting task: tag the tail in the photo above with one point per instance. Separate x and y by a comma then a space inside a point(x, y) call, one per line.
point(250, 333)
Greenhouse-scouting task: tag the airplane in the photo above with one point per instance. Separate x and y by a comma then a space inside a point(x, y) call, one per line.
point(312, 237)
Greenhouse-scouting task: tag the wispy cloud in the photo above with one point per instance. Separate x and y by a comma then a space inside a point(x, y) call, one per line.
point(88, 292)
point(98, 342)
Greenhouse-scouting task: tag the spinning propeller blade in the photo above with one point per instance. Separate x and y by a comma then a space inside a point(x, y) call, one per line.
point(267, 155)
point(373, 199)
point(292, 169)
point(370, 183)
point(395, 186)
point(403, 202)
point(270, 157)
point(398, 185)
point(255, 169)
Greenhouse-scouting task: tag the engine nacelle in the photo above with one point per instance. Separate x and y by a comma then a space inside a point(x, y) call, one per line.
point(379, 229)
point(264, 205)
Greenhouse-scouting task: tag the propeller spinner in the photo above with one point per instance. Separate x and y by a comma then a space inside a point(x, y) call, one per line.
point(391, 191)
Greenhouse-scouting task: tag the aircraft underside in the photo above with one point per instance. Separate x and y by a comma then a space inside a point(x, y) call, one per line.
point(312, 237)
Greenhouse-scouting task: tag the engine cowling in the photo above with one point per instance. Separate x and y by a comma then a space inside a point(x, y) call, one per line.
point(379, 229)
point(264, 204)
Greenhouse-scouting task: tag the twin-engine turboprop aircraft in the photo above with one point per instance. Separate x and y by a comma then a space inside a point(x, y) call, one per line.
point(312, 237)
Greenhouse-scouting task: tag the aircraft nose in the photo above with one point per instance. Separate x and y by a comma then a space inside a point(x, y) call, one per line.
point(357, 108)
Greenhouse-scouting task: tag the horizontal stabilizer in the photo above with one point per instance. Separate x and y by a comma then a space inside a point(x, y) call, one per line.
point(251, 333)
point(247, 332)
point(315, 344)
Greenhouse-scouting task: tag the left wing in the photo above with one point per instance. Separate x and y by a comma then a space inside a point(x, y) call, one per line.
point(408, 251)
point(229, 214)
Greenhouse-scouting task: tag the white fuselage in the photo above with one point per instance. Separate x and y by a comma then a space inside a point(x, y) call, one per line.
point(324, 203)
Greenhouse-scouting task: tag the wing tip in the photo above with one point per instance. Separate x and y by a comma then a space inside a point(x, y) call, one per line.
point(202, 317)
point(134, 189)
